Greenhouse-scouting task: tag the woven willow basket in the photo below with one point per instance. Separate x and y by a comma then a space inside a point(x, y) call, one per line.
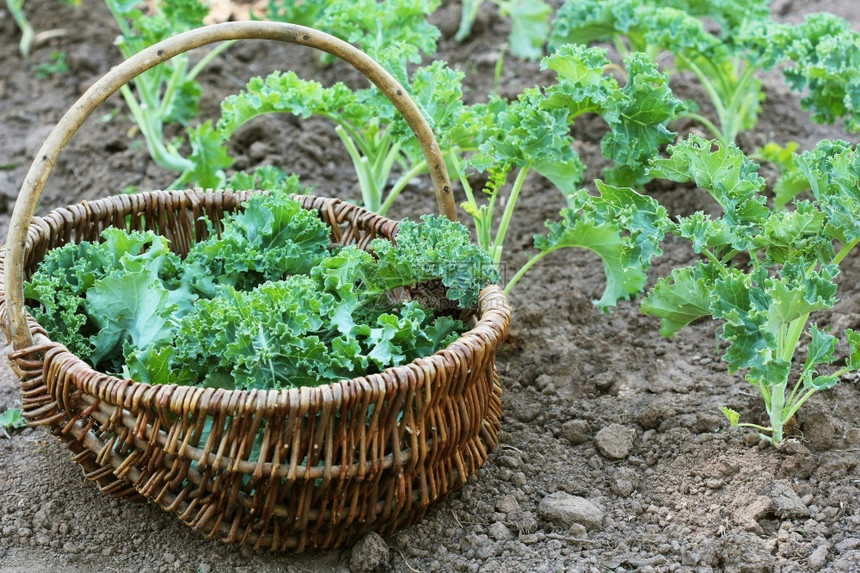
point(369, 454)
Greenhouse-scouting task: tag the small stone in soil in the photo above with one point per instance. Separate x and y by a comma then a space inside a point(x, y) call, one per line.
point(653, 415)
point(525, 522)
point(689, 558)
point(799, 465)
point(624, 482)
point(576, 431)
point(706, 423)
point(578, 531)
point(507, 504)
point(817, 558)
point(500, 532)
point(528, 412)
point(615, 441)
point(786, 503)
point(258, 150)
point(748, 516)
point(849, 544)
point(370, 552)
point(565, 509)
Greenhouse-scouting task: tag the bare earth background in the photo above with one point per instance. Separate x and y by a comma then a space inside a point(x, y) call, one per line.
point(685, 494)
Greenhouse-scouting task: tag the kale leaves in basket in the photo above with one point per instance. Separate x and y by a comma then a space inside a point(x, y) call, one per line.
point(265, 303)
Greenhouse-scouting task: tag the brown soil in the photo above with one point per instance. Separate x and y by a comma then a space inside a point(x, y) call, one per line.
point(688, 495)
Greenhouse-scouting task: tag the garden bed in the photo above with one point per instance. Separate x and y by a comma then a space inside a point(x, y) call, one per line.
point(599, 410)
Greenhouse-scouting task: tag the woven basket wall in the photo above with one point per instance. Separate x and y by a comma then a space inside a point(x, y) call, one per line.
point(336, 461)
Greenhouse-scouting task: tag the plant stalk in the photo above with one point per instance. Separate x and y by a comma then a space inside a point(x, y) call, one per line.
point(401, 184)
point(508, 213)
point(15, 8)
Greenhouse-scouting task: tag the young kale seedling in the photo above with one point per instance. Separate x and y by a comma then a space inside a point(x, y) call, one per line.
point(395, 33)
point(372, 131)
point(764, 271)
point(533, 134)
point(169, 92)
point(824, 53)
point(56, 65)
point(28, 35)
point(11, 419)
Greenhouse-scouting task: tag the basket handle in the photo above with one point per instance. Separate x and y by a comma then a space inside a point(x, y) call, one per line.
point(25, 205)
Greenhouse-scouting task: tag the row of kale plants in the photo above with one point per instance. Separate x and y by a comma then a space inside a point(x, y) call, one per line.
point(761, 268)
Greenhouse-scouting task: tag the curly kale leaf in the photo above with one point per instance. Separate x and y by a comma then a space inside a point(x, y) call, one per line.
point(393, 32)
point(682, 297)
point(826, 58)
point(648, 27)
point(93, 297)
point(833, 170)
point(621, 226)
point(287, 93)
point(266, 178)
point(272, 237)
point(722, 170)
point(532, 134)
point(285, 334)
point(636, 113)
point(266, 338)
point(57, 289)
point(434, 248)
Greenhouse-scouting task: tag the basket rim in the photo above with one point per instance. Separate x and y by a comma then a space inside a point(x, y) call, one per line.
point(493, 313)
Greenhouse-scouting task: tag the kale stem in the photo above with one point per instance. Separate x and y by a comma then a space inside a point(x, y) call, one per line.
point(619, 44)
point(16, 9)
point(775, 411)
point(370, 196)
point(712, 92)
point(483, 221)
point(467, 189)
point(205, 60)
point(120, 22)
point(497, 73)
point(467, 19)
point(791, 397)
point(792, 336)
point(717, 262)
point(709, 125)
point(153, 137)
point(508, 213)
point(401, 184)
point(739, 108)
point(792, 408)
point(525, 268)
point(179, 66)
point(753, 426)
point(843, 252)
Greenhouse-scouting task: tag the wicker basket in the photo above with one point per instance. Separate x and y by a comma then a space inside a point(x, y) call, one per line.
point(369, 454)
